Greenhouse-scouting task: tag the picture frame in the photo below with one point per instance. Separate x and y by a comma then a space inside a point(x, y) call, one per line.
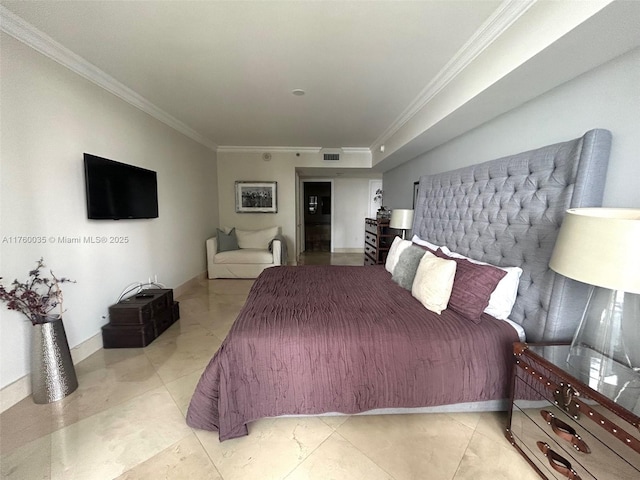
point(256, 197)
point(416, 185)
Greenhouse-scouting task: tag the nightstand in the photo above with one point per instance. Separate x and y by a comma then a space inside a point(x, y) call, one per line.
point(568, 425)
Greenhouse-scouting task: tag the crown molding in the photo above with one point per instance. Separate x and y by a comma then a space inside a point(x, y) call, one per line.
point(26, 33)
point(361, 150)
point(500, 20)
point(272, 149)
point(258, 149)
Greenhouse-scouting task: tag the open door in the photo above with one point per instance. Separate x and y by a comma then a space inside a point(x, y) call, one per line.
point(317, 216)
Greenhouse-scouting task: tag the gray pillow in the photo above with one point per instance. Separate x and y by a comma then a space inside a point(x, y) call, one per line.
point(227, 241)
point(407, 266)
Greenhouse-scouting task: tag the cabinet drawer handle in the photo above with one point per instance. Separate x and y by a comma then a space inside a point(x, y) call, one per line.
point(557, 462)
point(564, 431)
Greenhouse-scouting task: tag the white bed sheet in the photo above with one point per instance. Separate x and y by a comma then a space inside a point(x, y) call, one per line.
point(518, 329)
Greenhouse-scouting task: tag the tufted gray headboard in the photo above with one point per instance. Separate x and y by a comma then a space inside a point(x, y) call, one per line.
point(507, 212)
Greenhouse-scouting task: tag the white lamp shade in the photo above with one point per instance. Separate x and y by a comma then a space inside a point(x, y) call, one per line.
point(401, 219)
point(600, 246)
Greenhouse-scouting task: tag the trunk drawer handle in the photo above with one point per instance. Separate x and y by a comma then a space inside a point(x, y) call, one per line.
point(564, 431)
point(557, 462)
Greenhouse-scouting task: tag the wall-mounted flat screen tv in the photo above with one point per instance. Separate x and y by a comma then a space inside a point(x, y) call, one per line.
point(117, 191)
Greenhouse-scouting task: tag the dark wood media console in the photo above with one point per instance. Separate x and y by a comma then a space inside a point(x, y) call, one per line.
point(138, 320)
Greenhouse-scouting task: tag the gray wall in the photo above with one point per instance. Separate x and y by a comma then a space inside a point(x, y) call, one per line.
point(605, 97)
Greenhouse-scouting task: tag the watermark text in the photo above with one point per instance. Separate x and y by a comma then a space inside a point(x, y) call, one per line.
point(64, 239)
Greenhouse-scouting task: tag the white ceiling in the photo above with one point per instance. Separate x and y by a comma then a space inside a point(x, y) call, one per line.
point(227, 69)
point(408, 74)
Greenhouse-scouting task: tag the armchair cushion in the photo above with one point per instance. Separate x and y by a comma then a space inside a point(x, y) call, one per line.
point(245, 256)
point(256, 238)
point(227, 241)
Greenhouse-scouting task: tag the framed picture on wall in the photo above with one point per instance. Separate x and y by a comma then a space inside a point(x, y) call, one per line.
point(415, 193)
point(256, 197)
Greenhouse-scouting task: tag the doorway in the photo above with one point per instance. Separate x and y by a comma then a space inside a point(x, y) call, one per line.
point(317, 216)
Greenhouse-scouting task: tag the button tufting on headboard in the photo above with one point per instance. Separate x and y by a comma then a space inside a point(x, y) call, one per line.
point(508, 212)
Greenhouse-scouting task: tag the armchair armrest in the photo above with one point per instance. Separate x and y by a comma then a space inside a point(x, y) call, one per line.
point(278, 247)
point(277, 252)
point(212, 249)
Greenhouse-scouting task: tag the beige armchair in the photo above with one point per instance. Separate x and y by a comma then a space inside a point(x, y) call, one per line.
point(259, 249)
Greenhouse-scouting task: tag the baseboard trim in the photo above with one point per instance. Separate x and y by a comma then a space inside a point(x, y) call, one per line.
point(86, 348)
point(189, 284)
point(14, 392)
point(21, 388)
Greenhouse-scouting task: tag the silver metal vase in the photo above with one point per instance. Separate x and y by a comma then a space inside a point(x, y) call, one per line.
point(53, 375)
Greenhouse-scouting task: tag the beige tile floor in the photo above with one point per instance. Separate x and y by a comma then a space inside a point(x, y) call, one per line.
point(126, 421)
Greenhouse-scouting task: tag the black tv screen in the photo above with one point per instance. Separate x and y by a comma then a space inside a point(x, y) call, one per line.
point(118, 191)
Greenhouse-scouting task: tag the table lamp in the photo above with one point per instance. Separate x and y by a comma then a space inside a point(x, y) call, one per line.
point(401, 219)
point(601, 247)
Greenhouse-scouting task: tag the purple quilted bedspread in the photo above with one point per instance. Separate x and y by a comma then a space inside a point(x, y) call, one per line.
point(347, 339)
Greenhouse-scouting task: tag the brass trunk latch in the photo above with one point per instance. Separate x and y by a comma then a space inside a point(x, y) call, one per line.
point(564, 396)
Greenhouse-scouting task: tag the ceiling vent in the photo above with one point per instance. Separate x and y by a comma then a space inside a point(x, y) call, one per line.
point(331, 154)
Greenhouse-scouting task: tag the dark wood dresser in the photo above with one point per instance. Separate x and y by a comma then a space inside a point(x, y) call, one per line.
point(138, 320)
point(377, 240)
point(568, 425)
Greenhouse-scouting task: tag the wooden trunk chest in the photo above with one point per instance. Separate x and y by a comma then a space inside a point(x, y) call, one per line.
point(378, 238)
point(570, 426)
point(138, 320)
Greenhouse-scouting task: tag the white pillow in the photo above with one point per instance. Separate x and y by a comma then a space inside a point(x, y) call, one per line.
point(418, 241)
point(504, 296)
point(256, 238)
point(397, 247)
point(433, 282)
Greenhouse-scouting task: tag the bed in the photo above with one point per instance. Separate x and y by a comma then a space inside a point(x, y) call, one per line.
point(318, 339)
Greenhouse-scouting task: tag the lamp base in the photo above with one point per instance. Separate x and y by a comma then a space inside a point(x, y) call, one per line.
point(605, 350)
point(610, 325)
point(606, 376)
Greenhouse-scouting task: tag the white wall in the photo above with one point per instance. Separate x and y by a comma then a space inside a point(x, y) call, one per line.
point(234, 167)
point(50, 117)
point(351, 195)
point(350, 208)
point(374, 205)
point(605, 97)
